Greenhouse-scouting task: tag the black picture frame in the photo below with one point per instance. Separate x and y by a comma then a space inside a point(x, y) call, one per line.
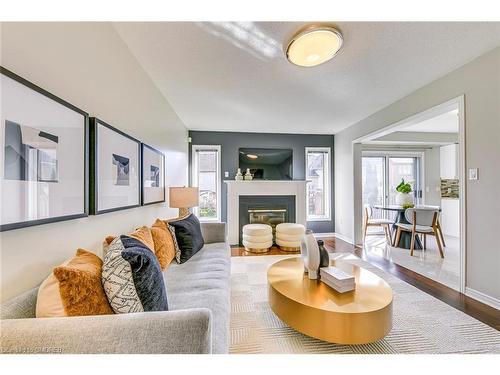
point(145, 146)
point(94, 169)
point(85, 116)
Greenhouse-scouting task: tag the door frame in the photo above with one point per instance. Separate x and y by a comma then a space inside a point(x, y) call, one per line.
point(455, 103)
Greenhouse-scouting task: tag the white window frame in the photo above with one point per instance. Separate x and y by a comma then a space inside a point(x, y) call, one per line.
point(194, 177)
point(328, 182)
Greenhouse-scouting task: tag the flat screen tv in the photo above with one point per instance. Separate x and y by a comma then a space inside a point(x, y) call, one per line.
point(267, 163)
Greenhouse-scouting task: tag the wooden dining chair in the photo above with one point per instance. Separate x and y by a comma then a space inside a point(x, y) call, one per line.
point(421, 221)
point(373, 222)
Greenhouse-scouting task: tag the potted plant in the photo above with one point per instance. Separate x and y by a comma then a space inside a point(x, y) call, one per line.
point(404, 194)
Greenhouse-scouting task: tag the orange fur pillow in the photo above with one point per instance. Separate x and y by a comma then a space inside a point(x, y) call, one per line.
point(163, 243)
point(74, 288)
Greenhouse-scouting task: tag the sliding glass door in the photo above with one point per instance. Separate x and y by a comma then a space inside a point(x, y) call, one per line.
point(382, 172)
point(406, 168)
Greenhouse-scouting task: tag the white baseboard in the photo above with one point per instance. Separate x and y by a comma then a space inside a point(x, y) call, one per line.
point(484, 298)
point(326, 234)
point(344, 238)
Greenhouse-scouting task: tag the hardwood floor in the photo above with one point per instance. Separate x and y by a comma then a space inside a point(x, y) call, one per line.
point(480, 311)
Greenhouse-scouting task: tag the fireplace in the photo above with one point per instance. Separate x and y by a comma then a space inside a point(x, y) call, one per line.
point(266, 209)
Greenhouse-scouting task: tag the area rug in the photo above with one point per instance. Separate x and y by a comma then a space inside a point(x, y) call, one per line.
point(421, 323)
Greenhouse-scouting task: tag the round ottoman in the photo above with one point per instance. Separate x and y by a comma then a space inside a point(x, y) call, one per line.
point(257, 238)
point(289, 235)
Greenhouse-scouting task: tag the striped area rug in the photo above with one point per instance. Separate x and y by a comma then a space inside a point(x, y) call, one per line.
point(421, 323)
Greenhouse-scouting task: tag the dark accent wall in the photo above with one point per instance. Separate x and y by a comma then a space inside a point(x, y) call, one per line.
point(230, 143)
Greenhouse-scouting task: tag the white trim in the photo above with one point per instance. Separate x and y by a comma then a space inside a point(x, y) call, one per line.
point(327, 180)
point(462, 175)
point(194, 177)
point(484, 298)
point(412, 120)
point(326, 234)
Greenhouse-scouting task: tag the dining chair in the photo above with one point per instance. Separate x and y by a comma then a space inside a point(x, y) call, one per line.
point(438, 223)
point(421, 221)
point(376, 222)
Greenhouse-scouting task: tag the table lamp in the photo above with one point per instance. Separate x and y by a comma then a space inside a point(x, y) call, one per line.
point(183, 198)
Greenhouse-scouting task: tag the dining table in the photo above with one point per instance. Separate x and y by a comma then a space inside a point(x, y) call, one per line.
point(405, 239)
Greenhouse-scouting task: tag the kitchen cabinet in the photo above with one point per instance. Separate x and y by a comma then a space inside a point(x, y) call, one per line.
point(449, 161)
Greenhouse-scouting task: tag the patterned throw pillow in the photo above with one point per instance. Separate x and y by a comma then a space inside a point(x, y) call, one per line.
point(187, 233)
point(176, 245)
point(132, 278)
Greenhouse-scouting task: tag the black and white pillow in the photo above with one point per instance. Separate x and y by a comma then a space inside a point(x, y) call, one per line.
point(132, 278)
point(176, 245)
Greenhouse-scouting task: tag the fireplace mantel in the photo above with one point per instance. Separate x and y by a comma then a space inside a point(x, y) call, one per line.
point(262, 187)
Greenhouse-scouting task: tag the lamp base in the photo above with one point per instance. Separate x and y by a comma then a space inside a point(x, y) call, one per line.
point(183, 212)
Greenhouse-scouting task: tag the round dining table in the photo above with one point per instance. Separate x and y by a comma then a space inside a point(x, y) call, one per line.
point(405, 239)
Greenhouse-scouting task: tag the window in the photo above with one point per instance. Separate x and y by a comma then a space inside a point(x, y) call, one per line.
point(206, 175)
point(318, 187)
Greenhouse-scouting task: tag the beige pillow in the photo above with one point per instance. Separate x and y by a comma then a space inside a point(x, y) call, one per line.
point(74, 288)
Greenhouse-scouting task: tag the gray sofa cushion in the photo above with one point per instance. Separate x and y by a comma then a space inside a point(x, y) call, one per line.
point(204, 281)
point(22, 306)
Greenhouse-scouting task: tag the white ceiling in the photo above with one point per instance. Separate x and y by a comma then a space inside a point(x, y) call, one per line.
point(234, 76)
point(445, 123)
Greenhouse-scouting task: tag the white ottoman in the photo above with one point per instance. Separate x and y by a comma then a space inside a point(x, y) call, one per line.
point(257, 238)
point(289, 235)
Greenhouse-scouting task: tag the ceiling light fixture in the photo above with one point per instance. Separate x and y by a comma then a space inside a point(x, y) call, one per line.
point(314, 45)
point(251, 156)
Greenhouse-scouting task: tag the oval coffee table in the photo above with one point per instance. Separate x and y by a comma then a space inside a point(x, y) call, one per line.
point(314, 309)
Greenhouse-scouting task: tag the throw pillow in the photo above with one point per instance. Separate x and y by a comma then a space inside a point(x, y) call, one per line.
point(176, 245)
point(74, 288)
point(188, 236)
point(163, 243)
point(132, 277)
point(143, 234)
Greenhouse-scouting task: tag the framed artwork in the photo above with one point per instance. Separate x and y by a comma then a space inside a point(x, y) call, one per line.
point(115, 169)
point(43, 156)
point(153, 175)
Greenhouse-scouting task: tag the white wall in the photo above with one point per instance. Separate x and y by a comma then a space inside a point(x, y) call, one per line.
point(88, 65)
point(479, 81)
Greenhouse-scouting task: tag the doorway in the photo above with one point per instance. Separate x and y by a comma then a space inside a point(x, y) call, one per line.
point(427, 151)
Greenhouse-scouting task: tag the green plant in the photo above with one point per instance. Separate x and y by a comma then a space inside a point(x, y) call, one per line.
point(408, 205)
point(404, 187)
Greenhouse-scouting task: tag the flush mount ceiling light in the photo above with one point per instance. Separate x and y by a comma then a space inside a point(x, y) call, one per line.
point(314, 45)
point(252, 156)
